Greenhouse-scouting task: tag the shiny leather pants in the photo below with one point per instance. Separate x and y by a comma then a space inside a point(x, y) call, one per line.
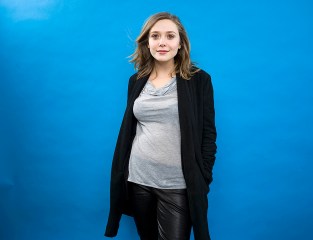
point(160, 214)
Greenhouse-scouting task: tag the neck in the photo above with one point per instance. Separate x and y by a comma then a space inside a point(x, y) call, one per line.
point(163, 69)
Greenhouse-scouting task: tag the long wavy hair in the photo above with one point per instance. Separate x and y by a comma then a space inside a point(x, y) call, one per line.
point(144, 61)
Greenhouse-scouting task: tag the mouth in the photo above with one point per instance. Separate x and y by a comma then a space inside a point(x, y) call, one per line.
point(162, 51)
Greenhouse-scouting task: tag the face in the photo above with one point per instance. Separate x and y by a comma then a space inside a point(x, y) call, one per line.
point(164, 41)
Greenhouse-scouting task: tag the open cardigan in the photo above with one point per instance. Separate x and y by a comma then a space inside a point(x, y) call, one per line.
point(198, 149)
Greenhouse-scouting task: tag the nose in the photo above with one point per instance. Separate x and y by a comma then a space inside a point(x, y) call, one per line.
point(161, 42)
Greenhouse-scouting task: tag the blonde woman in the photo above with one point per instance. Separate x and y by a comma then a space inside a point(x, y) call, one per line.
point(165, 152)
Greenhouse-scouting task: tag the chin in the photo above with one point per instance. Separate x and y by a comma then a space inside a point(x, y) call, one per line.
point(167, 59)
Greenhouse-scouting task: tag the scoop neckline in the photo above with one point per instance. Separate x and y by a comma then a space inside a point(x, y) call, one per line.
point(165, 85)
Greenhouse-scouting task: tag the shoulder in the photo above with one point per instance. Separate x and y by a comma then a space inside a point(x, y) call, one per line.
point(201, 77)
point(131, 83)
point(133, 77)
point(200, 73)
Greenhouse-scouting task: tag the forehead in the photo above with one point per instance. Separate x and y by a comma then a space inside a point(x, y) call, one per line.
point(164, 25)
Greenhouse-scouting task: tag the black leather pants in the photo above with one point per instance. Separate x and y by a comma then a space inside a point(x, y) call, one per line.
point(160, 214)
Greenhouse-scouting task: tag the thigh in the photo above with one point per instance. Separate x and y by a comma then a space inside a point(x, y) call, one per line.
point(173, 215)
point(143, 203)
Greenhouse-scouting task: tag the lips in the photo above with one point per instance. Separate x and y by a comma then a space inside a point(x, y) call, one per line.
point(162, 51)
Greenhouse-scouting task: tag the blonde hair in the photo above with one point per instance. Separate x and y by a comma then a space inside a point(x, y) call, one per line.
point(144, 62)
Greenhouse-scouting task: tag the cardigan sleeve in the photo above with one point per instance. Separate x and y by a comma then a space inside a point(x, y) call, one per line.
point(116, 164)
point(208, 146)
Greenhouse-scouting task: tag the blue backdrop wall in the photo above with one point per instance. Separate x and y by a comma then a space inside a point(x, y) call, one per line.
point(63, 80)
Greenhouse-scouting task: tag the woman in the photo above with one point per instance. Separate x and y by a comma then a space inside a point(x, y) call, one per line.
point(165, 152)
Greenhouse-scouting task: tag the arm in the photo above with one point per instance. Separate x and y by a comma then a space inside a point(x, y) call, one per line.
point(208, 146)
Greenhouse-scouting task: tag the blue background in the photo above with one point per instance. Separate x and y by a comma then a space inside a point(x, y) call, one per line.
point(63, 82)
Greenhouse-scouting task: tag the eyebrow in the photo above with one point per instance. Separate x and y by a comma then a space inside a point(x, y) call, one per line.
point(166, 32)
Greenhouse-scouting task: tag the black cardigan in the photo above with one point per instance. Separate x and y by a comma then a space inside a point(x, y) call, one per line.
point(198, 149)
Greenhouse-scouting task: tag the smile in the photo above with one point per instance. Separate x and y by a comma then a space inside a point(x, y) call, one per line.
point(162, 51)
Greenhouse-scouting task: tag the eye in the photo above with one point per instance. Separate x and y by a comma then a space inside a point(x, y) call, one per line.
point(170, 36)
point(154, 36)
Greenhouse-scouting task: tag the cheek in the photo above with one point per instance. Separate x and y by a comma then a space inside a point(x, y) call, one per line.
point(176, 45)
point(151, 49)
point(152, 45)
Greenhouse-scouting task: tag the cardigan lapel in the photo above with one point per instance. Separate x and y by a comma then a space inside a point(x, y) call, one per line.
point(186, 126)
point(138, 86)
point(128, 127)
point(129, 114)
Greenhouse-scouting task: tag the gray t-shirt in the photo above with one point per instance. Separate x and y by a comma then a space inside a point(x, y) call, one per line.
point(155, 158)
